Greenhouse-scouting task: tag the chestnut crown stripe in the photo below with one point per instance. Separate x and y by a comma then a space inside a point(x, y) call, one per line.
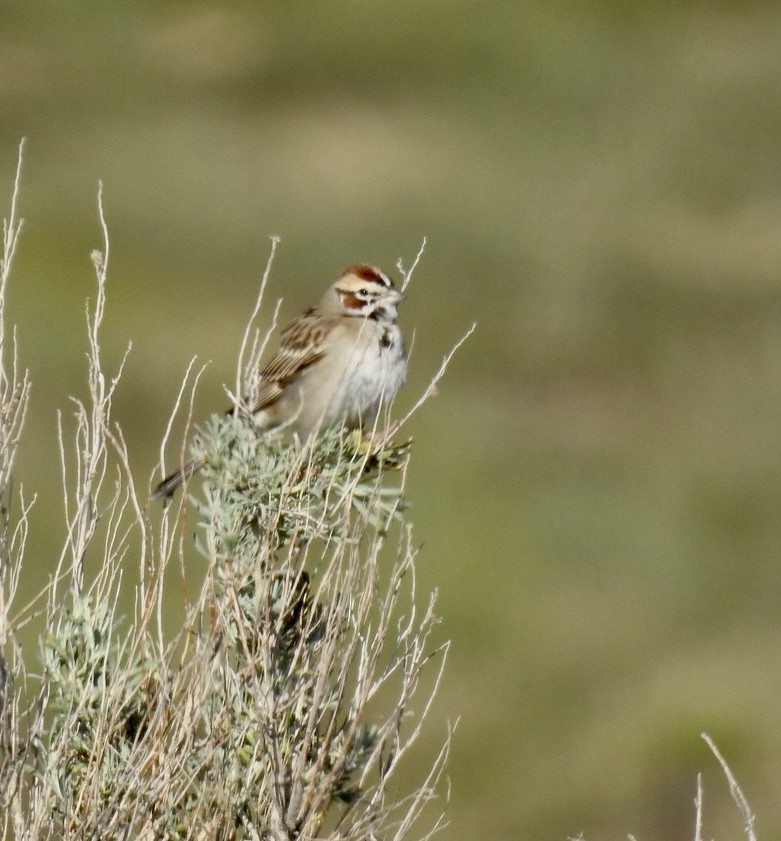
point(366, 272)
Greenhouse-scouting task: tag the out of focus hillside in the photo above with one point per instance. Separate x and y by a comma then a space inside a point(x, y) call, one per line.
point(597, 485)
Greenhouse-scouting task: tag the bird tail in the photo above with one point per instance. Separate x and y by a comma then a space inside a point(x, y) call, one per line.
point(166, 488)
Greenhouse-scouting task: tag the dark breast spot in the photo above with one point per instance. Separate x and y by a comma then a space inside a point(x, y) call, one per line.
point(386, 340)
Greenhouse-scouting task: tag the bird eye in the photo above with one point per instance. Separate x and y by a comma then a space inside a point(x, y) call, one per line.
point(363, 292)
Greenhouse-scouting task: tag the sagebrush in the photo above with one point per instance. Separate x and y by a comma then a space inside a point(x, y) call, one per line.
point(302, 669)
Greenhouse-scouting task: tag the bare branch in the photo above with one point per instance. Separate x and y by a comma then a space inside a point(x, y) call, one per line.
point(407, 274)
point(698, 810)
point(246, 372)
point(431, 389)
point(734, 788)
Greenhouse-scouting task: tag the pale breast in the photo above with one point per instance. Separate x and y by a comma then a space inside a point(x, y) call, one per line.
point(354, 380)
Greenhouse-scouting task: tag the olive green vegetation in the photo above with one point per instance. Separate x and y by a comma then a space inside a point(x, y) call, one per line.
point(597, 485)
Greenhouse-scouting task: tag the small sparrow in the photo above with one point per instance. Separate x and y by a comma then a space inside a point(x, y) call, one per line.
point(339, 362)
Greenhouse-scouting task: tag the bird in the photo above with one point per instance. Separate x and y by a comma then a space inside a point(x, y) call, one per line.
point(341, 361)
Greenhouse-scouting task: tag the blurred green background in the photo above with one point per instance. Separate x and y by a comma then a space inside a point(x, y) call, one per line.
point(597, 485)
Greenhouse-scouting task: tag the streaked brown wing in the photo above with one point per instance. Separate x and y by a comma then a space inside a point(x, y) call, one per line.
point(301, 345)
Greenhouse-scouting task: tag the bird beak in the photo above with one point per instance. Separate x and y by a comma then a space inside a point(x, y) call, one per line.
point(394, 296)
